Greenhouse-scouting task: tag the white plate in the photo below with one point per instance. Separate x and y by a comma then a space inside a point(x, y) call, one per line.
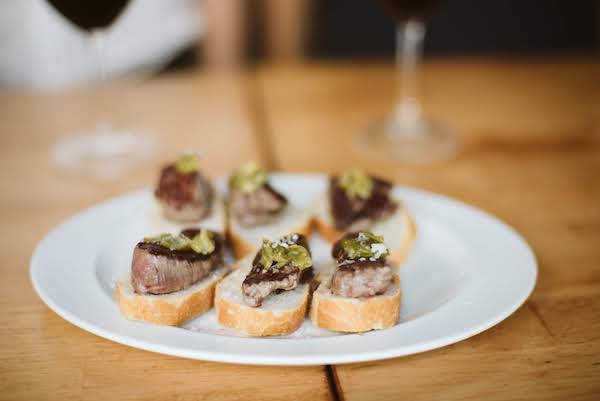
point(467, 272)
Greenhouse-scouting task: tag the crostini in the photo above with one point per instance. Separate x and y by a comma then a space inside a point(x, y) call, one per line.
point(267, 294)
point(361, 291)
point(257, 210)
point(357, 201)
point(186, 198)
point(173, 277)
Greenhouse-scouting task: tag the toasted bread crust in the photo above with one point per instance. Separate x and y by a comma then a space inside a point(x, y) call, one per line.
point(355, 315)
point(241, 247)
point(165, 310)
point(259, 322)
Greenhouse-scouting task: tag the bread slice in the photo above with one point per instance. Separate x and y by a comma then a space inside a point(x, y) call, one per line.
point(246, 240)
point(353, 315)
point(398, 230)
point(215, 221)
point(168, 309)
point(280, 314)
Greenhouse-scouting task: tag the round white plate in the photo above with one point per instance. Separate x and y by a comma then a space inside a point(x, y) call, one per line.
point(467, 272)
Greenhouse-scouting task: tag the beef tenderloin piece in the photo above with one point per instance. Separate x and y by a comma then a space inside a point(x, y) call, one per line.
point(263, 281)
point(260, 283)
point(257, 207)
point(184, 197)
point(355, 214)
point(361, 279)
point(158, 270)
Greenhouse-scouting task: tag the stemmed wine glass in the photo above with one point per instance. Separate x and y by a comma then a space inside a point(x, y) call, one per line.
point(406, 134)
point(102, 151)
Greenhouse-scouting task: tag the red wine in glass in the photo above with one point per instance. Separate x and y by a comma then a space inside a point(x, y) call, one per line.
point(90, 15)
point(402, 10)
point(406, 135)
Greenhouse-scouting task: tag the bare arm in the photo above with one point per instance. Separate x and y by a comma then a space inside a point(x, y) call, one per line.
point(223, 43)
point(286, 28)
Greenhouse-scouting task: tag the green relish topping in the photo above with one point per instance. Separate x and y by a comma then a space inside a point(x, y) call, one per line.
point(248, 178)
point(280, 254)
point(203, 242)
point(356, 183)
point(187, 163)
point(365, 245)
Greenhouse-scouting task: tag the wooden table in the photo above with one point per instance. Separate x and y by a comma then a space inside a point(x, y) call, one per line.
point(531, 155)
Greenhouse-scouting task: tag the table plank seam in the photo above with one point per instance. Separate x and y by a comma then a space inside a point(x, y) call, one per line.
point(335, 390)
point(539, 316)
point(262, 130)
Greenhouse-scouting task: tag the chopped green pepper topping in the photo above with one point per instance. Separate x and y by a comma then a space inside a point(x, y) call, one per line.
point(278, 255)
point(187, 163)
point(248, 178)
point(356, 183)
point(365, 245)
point(203, 242)
point(173, 242)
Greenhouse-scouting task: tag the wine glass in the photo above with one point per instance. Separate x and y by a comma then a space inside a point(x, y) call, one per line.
point(102, 151)
point(406, 134)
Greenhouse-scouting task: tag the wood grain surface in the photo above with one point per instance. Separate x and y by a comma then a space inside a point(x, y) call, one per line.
point(43, 357)
point(530, 133)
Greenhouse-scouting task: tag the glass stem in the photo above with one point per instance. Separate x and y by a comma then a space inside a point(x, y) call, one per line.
point(409, 48)
point(98, 38)
point(99, 41)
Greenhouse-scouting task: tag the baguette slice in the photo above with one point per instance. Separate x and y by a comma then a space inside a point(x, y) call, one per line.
point(215, 221)
point(398, 229)
point(353, 315)
point(168, 309)
point(280, 314)
point(246, 240)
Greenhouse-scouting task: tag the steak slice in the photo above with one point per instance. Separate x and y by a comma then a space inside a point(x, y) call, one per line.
point(361, 279)
point(257, 207)
point(356, 214)
point(184, 197)
point(156, 269)
point(358, 278)
point(263, 281)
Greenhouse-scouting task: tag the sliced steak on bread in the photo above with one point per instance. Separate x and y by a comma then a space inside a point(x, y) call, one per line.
point(268, 294)
point(360, 291)
point(172, 277)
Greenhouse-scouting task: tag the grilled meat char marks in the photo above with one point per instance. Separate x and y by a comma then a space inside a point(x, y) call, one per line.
point(364, 277)
point(353, 214)
point(156, 269)
point(184, 197)
point(256, 207)
point(262, 281)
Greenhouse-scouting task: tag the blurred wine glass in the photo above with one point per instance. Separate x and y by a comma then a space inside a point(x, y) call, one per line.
point(102, 151)
point(406, 134)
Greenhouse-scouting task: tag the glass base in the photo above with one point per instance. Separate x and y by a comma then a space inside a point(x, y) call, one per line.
point(104, 153)
point(420, 141)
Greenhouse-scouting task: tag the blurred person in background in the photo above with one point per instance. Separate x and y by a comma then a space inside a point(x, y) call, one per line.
point(41, 48)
